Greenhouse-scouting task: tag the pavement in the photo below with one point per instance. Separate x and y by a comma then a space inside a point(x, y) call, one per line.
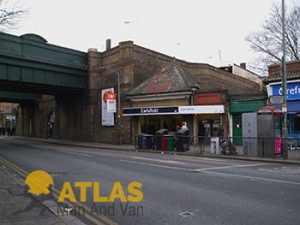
point(120, 147)
point(19, 208)
point(128, 147)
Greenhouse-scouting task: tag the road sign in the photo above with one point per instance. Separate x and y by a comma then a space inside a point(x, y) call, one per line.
point(284, 107)
point(276, 99)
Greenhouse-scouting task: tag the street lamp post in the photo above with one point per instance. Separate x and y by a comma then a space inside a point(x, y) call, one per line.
point(119, 107)
point(119, 95)
point(284, 85)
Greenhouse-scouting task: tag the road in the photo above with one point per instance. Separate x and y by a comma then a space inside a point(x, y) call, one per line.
point(212, 191)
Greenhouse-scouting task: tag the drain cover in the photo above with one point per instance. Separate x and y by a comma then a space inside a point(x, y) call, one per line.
point(186, 214)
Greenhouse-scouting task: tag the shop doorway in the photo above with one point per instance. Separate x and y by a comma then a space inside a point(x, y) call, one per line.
point(151, 124)
point(237, 130)
point(209, 125)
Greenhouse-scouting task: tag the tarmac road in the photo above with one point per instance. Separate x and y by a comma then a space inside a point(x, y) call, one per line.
point(213, 191)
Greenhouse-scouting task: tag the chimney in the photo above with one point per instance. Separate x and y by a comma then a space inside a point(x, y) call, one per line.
point(243, 65)
point(108, 44)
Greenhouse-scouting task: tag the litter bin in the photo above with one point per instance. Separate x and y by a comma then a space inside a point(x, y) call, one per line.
point(171, 142)
point(145, 141)
point(159, 138)
point(164, 143)
point(183, 140)
point(168, 143)
point(214, 145)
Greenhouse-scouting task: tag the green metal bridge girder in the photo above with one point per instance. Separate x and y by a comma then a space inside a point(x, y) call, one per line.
point(7, 96)
point(29, 59)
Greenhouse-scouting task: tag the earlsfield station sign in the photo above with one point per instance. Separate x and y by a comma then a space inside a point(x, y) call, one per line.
point(171, 110)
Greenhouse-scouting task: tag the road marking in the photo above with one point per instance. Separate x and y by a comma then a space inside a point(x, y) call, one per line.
point(186, 214)
point(283, 170)
point(211, 159)
point(81, 154)
point(153, 164)
point(226, 167)
point(254, 178)
point(208, 160)
point(158, 160)
point(198, 160)
point(187, 169)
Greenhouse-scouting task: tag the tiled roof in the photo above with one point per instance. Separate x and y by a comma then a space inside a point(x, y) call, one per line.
point(172, 78)
point(277, 77)
point(175, 78)
point(217, 82)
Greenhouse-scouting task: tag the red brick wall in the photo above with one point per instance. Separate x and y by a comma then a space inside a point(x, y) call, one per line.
point(207, 99)
point(290, 67)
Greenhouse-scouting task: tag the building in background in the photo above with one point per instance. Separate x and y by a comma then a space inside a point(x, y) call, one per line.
point(274, 88)
point(198, 92)
point(242, 71)
point(176, 95)
point(239, 105)
point(8, 113)
point(158, 91)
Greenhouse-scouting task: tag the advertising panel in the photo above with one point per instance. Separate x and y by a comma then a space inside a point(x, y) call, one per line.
point(107, 107)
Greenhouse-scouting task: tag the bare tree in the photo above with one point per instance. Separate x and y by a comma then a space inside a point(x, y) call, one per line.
point(10, 14)
point(268, 41)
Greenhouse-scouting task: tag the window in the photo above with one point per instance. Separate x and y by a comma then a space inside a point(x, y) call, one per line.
point(297, 123)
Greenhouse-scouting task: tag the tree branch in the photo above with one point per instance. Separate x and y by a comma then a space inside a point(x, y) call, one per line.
point(10, 15)
point(268, 41)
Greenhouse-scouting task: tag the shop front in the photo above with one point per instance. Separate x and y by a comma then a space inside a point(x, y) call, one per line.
point(210, 123)
point(293, 104)
point(151, 119)
point(237, 108)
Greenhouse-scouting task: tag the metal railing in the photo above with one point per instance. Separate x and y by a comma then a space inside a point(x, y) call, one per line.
point(239, 146)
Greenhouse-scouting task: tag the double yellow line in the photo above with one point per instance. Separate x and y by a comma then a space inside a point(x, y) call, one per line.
point(96, 219)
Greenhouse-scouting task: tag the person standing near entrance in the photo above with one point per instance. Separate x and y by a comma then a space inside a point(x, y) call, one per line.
point(201, 132)
point(178, 127)
point(221, 132)
point(184, 126)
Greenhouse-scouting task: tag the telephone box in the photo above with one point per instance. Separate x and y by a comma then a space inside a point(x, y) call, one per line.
point(269, 129)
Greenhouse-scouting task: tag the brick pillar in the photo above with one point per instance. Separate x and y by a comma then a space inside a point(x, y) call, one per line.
point(94, 63)
point(126, 54)
point(103, 69)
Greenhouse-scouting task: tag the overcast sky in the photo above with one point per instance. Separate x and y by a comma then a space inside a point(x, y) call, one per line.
point(192, 30)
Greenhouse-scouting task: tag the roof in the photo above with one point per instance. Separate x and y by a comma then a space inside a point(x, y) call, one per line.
point(170, 79)
point(277, 77)
point(175, 78)
point(219, 82)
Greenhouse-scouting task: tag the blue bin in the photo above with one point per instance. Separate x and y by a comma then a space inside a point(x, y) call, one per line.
point(145, 141)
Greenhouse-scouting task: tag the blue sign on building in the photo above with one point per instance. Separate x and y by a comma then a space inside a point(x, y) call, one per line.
point(293, 90)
